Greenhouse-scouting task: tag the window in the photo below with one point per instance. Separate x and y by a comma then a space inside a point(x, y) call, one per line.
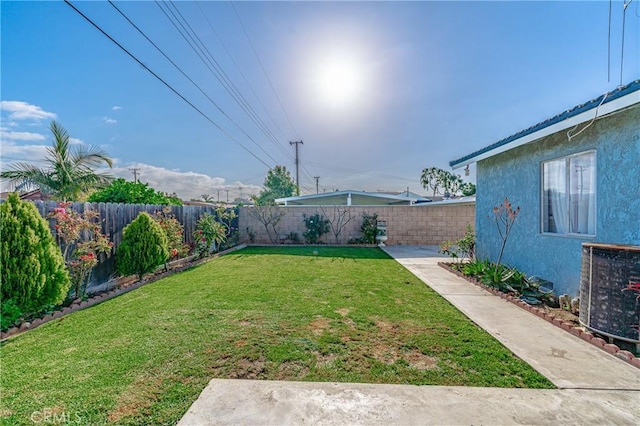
point(569, 194)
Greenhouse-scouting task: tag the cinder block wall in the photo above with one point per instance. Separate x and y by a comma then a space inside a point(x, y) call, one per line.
point(407, 225)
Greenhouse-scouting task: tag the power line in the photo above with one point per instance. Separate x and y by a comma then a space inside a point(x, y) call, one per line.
point(203, 53)
point(190, 79)
point(244, 78)
point(264, 70)
point(164, 82)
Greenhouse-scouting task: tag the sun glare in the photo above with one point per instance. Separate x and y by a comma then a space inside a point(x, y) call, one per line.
point(339, 81)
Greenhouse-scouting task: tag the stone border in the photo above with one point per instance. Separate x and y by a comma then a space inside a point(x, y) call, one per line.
point(123, 285)
point(565, 325)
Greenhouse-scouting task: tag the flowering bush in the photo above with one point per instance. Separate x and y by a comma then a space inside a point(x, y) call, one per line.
point(212, 232)
point(175, 233)
point(209, 233)
point(81, 240)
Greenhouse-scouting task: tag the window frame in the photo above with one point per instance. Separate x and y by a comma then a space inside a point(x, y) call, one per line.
point(567, 159)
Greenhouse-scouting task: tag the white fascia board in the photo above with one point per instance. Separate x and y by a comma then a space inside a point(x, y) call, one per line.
point(614, 106)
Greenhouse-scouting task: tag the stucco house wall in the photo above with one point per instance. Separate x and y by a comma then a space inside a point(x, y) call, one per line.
point(517, 175)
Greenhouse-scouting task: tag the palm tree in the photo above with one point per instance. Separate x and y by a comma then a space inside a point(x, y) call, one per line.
point(70, 170)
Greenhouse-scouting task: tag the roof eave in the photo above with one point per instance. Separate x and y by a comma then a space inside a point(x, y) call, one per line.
point(616, 105)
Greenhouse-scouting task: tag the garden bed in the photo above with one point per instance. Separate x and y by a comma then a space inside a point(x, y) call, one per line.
point(115, 287)
point(558, 317)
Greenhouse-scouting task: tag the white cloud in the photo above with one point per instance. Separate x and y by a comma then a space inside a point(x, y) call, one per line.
point(187, 185)
point(10, 136)
point(116, 108)
point(19, 110)
point(28, 153)
point(109, 120)
point(76, 141)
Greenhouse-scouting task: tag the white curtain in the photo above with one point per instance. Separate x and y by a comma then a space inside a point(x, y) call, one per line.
point(555, 177)
point(582, 179)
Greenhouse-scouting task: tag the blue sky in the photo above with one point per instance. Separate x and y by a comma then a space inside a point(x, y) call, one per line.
point(376, 90)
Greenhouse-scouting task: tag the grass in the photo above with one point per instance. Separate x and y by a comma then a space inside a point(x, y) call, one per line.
point(344, 314)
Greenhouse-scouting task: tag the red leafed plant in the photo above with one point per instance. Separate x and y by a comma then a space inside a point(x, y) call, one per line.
point(81, 240)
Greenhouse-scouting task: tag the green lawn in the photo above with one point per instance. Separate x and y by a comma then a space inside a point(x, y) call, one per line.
point(344, 314)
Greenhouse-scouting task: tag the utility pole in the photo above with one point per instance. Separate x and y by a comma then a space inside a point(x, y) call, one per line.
point(296, 143)
point(135, 174)
point(317, 178)
point(227, 196)
point(218, 195)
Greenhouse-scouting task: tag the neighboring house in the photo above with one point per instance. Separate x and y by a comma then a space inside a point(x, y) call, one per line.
point(351, 198)
point(35, 195)
point(576, 179)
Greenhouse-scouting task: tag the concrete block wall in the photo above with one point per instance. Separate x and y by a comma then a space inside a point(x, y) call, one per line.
point(430, 223)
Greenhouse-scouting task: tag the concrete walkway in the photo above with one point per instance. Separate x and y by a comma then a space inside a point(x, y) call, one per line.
point(594, 387)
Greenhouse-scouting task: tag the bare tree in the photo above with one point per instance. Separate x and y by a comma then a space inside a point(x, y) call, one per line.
point(269, 216)
point(339, 218)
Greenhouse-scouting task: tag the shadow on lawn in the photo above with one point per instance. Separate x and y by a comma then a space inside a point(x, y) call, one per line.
point(314, 251)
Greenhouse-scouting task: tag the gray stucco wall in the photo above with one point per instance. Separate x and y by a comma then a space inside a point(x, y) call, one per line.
point(517, 174)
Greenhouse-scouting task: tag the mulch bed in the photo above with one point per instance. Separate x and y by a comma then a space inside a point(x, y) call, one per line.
point(558, 317)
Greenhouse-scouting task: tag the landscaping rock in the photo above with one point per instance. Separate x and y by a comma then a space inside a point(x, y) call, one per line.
point(625, 355)
point(598, 342)
point(612, 349)
point(36, 322)
point(25, 326)
point(635, 362)
point(585, 335)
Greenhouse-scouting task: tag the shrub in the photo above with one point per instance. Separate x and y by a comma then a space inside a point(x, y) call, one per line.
point(32, 274)
point(80, 237)
point(143, 247)
point(209, 234)
point(462, 248)
point(369, 228)
point(122, 191)
point(316, 226)
point(9, 314)
point(174, 231)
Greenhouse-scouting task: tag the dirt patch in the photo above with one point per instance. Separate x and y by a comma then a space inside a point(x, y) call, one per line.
point(139, 396)
point(240, 343)
point(385, 354)
point(325, 360)
point(386, 327)
point(416, 359)
point(292, 370)
point(349, 323)
point(562, 314)
point(319, 325)
point(248, 369)
point(343, 311)
point(420, 361)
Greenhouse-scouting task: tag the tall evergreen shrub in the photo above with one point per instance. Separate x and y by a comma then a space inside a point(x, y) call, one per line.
point(143, 247)
point(32, 274)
